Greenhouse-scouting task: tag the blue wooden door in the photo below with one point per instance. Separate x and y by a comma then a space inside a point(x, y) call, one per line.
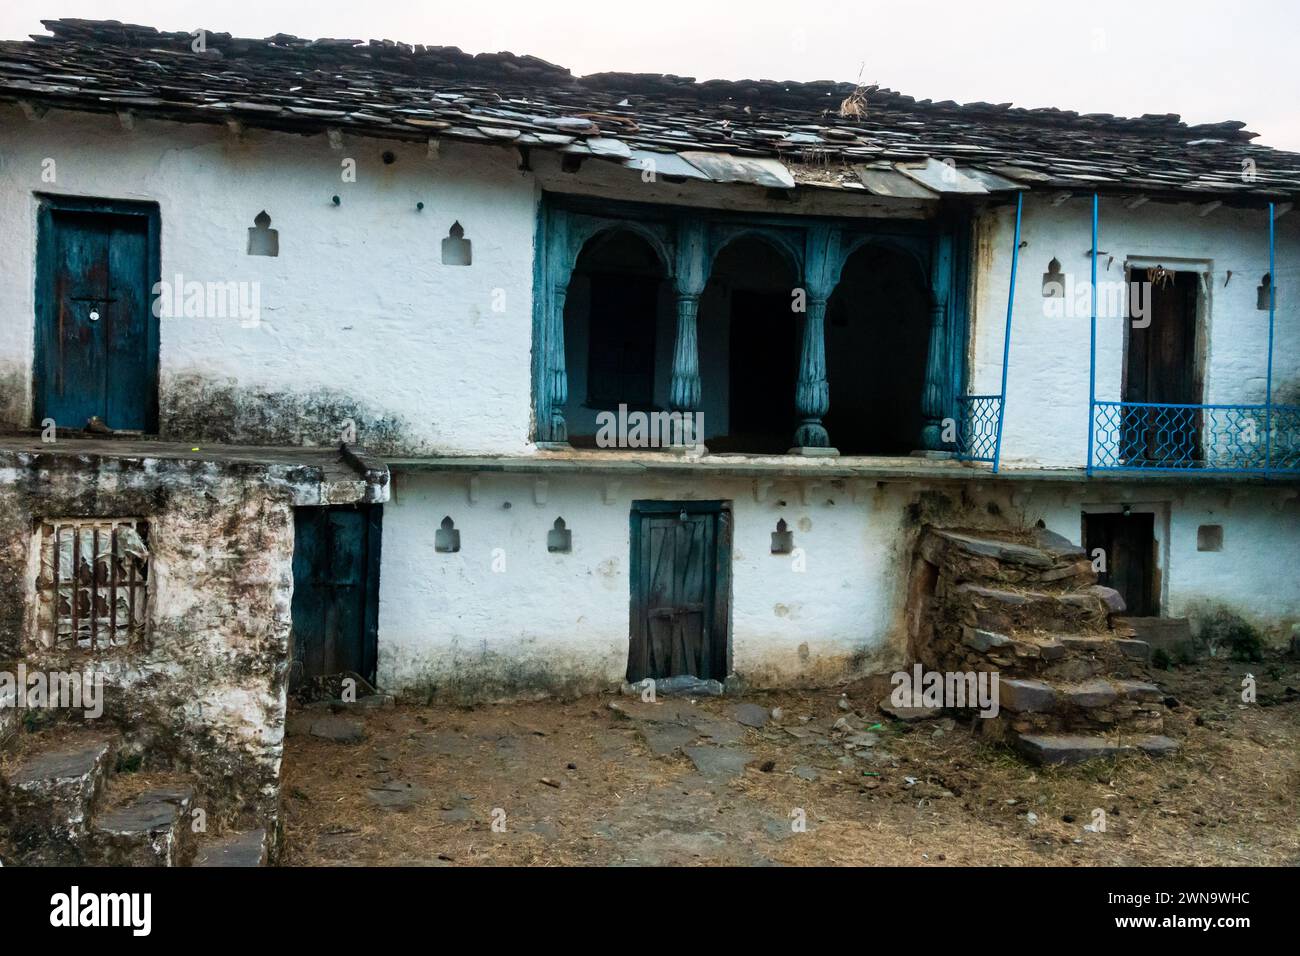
point(681, 574)
point(335, 592)
point(96, 335)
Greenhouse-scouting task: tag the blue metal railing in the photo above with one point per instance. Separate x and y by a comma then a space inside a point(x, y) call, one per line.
point(1148, 436)
point(978, 424)
point(1154, 436)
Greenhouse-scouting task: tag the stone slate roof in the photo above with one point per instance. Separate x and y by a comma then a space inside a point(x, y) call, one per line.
point(775, 133)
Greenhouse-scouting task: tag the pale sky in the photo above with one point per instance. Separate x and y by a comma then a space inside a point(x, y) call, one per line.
point(1207, 61)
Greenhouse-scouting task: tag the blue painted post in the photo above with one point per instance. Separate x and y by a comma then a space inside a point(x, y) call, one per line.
point(1268, 380)
point(1006, 339)
point(1092, 343)
point(938, 367)
point(690, 276)
point(557, 270)
point(812, 394)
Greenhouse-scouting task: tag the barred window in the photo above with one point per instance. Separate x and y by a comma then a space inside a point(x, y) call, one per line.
point(92, 583)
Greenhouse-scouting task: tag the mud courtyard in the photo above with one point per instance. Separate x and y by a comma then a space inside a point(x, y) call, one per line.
point(828, 780)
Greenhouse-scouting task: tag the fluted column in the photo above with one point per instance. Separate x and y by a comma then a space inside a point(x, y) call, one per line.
point(557, 374)
point(812, 397)
point(690, 276)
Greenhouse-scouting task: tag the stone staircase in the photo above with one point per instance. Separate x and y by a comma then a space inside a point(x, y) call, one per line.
point(62, 803)
point(1072, 678)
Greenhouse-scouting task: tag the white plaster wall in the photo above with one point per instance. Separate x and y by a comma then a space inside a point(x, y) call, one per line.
point(357, 302)
point(560, 621)
point(546, 622)
point(1047, 392)
point(1252, 576)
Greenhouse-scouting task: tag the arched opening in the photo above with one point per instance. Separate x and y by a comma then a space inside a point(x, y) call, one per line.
point(749, 349)
point(877, 340)
point(618, 332)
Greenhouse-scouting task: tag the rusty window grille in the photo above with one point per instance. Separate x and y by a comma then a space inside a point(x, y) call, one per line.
point(93, 583)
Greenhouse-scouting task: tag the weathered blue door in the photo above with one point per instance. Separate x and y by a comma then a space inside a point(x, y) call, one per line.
point(335, 592)
point(96, 334)
point(681, 589)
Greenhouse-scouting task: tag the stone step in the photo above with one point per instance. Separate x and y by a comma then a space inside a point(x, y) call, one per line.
point(247, 848)
point(1173, 635)
point(1076, 748)
point(993, 559)
point(49, 794)
point(1102, 644)
point(1002, 551)
point(150, 828)
point(1003, 610)
point(1036, 696)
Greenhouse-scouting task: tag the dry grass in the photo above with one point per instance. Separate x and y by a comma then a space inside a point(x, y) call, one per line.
point(1229, 797)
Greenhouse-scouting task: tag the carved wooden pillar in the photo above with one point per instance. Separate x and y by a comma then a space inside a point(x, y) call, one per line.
point(689, 278)
point(555, 377)
point(934, 399)
point(812, 393)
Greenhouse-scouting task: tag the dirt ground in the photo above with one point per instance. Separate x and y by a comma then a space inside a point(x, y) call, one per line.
point(615, 781)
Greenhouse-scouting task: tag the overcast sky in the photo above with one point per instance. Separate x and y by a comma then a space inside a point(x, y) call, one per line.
point(1208, 61)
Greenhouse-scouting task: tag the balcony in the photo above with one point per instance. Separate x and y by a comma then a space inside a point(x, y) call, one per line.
point(1151, 437)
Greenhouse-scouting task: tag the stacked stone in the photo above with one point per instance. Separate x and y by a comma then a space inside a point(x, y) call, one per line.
point(1071, 683)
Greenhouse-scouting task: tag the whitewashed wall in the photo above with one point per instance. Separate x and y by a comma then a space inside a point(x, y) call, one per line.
point(357, 305)
point(1251, 576)
point(451, 624)
point(1047, 392)
point(560, 621)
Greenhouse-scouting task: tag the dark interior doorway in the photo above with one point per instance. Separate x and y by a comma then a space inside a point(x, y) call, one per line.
point(614, 317)
point(750, 337)
point(877, 342)
point(335, 593)
point(681, 589)
point(764, 367)
point(1128, 542)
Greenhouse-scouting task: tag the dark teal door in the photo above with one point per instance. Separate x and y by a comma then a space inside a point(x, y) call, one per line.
point(681, 589)
point(335, 592)
point(96, 334)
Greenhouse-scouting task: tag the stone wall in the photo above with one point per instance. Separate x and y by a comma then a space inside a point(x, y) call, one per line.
point(204, 692)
